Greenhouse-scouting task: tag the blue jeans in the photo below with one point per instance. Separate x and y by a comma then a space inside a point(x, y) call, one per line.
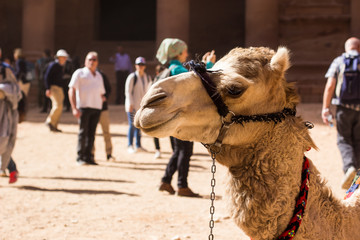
point(133, 131)
point(12, 165)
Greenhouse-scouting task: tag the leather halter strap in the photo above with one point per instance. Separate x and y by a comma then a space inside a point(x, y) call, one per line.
point(201, 71)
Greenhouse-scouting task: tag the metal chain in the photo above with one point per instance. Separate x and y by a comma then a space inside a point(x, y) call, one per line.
point(212, 196)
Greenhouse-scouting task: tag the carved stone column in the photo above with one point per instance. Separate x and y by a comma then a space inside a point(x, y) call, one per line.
point(355, 18)
point(172, 20)
point(262, 23)
point(38, 27)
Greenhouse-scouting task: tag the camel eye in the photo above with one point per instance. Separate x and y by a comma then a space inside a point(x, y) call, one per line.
point(234, 91)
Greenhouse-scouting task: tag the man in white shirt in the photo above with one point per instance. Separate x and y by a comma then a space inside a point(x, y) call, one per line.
point(86, 95)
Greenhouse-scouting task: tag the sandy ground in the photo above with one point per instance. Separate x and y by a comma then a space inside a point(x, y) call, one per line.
point(56, 199)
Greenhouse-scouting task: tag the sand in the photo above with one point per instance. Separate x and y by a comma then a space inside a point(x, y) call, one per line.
point(55, 198)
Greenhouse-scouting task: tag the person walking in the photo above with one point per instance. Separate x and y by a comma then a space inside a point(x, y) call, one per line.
point(54, 89)
point(86, 95)
point(174, 52)
point(343, 82)
point(10, 95)
point(122, 66)
point(137, 84)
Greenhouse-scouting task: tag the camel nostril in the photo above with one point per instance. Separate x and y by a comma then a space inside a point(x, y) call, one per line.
point(155, 99)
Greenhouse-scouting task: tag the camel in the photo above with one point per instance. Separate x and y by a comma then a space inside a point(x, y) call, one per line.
point(264, 158)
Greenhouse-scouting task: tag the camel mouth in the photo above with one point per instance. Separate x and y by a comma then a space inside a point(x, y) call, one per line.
point(153, 128)
point(155, 100)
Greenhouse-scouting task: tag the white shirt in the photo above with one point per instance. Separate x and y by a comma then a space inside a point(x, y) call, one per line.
point(89, 88)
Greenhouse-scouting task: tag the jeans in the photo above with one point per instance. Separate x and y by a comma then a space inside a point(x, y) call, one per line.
point(180, 161)
point(12, 165)
point(348, 138)
point(133, 131)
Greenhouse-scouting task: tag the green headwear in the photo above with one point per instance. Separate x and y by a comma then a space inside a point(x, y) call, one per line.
point(169, 49)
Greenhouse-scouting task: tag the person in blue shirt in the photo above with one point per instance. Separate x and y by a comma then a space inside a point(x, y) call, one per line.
point(174, 52)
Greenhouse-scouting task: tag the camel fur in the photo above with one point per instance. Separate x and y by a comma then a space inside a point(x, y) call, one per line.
point(264, 159)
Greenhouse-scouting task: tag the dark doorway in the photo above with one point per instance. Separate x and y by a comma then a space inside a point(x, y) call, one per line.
point(127, 20)
point(218, 25)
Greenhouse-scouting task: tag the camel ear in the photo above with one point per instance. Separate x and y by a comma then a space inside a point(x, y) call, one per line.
point(280, 62)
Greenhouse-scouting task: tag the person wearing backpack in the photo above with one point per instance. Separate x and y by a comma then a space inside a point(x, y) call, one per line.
point(136, 85)
point(342, 89)
point(173, 52)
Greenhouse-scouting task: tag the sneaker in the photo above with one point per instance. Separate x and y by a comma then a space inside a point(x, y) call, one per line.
point(186, 192)
point(81, 162)
point(157, 154)
point(92, 162)
point(140, 149)
point(52, 128)
point(348, 178)
point(131, 149)
point(13, 176)
point(167, 187)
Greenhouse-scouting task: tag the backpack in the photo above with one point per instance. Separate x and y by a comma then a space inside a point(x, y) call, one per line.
point(166, 72)
point(349, 80)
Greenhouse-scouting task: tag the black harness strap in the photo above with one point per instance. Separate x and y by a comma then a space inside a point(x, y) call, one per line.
point(201, 71)
point(268, 117)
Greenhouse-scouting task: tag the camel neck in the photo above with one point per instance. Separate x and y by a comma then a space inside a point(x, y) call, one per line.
point(264, 179)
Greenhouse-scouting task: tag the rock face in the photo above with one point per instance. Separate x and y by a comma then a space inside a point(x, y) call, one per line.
point(315, 32)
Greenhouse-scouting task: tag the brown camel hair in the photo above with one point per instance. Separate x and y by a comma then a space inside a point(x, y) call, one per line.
point(264, 159)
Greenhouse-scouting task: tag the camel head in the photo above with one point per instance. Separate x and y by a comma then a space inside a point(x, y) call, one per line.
point(250, 81)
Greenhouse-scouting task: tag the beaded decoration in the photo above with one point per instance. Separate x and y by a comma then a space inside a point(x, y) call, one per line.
point(355, 185)
point(301, 201)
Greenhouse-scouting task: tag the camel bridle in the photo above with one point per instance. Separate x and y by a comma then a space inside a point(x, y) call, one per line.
point(228, 118)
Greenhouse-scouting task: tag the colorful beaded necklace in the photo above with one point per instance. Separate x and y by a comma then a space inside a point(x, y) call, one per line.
point(301, 201)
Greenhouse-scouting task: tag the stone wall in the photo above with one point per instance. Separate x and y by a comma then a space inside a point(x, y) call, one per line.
point(315, 32)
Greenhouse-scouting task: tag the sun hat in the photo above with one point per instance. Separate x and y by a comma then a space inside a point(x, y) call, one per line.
point(169, 49)
point(62, 53)
point(140, 60)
